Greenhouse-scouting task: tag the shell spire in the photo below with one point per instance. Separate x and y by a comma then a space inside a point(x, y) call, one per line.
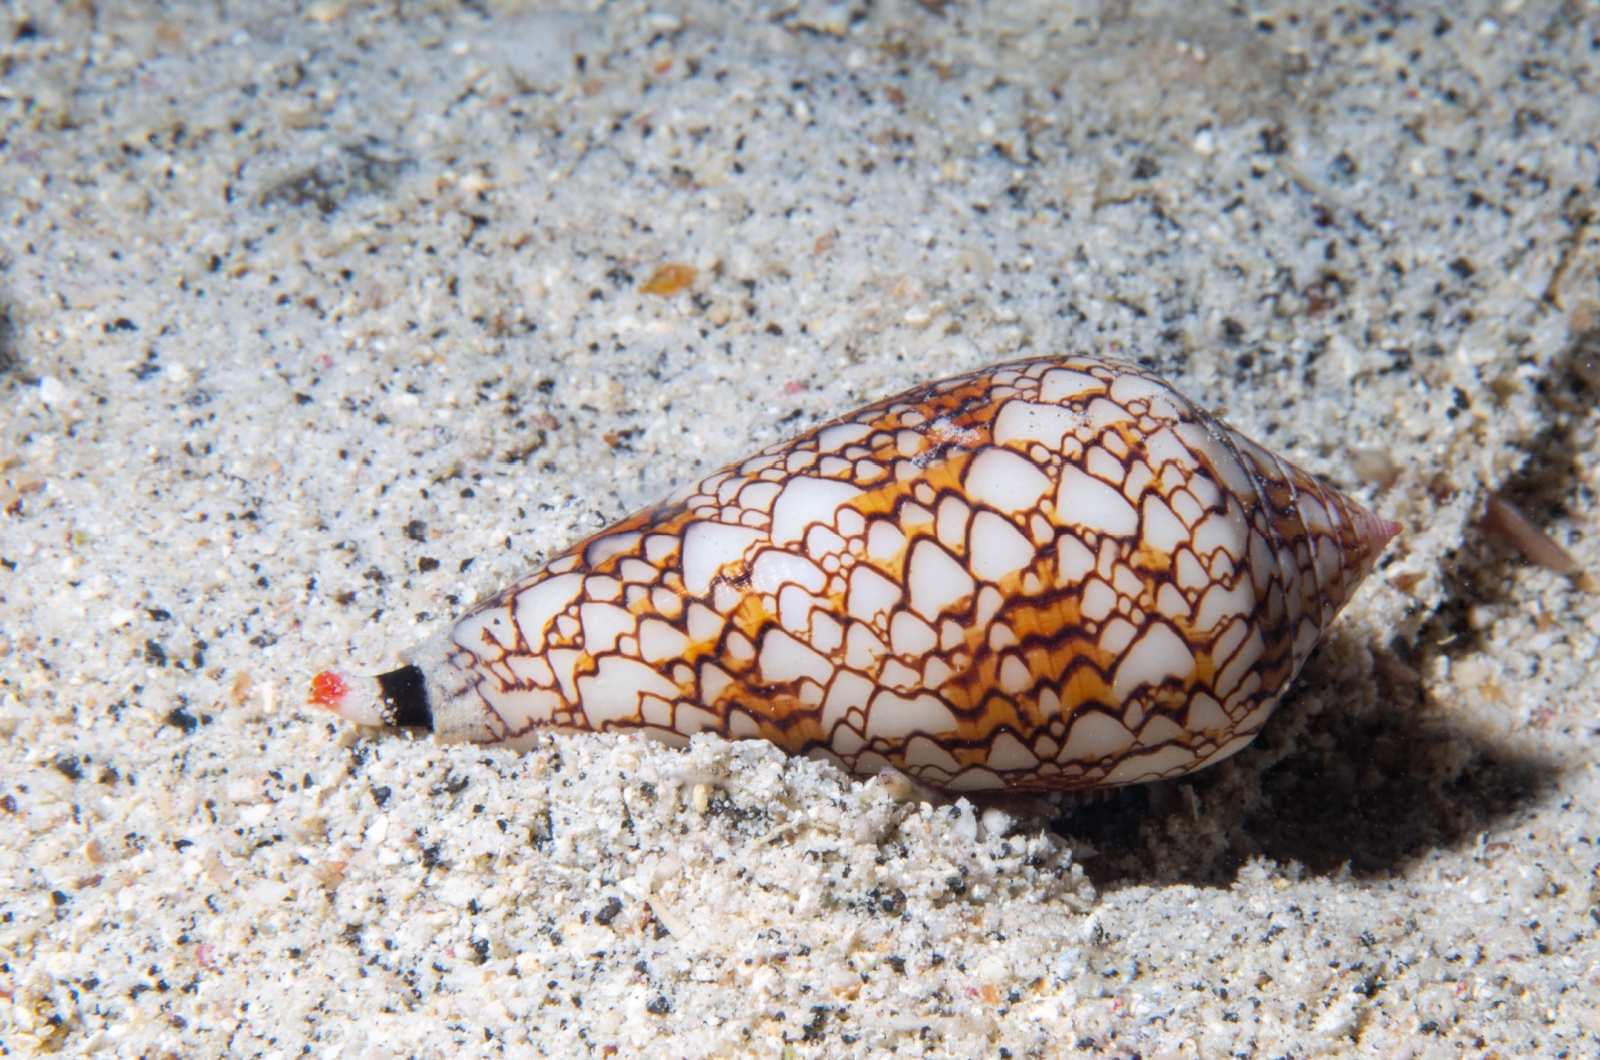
point(1053, 574)
point(1328, 539)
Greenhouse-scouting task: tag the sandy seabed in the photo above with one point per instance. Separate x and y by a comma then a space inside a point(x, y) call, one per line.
point(323, 320)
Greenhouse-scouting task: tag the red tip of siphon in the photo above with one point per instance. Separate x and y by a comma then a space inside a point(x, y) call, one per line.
point(356, 699)
point(328, 688)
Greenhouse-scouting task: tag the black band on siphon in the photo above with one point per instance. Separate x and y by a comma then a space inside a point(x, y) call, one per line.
point(406, 697)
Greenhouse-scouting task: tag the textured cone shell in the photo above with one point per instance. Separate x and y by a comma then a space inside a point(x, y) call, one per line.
point(1053, 574)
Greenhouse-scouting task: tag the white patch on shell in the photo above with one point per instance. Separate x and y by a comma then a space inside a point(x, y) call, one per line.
point(1093, 737)
point(660, 641)
point(758, 496)
point(1163, 531)
point(922, 752)
point(1104, 466)
point(951, 528)
point(1009, 753)
point(774, 568)
point(894, 717)
point(832, 439)
point(995, 549)
point(538, 605)
point(1026, 421)
point(1074, 561)
point(1248, 655)
point(705, 625)
point(1158, 655)
point(1062, 384)
point(603, 624)
point(708, 548)
point(807, 501)
point(862, 648)
point(885, 541)
point(785, 659)
point(849, 691)
point(909, 635)
point(603, 548)
point(1158, 730)
point(612, 693)
point(1005, 481)
point(936, 580)
point(1205, 715)
point(1221, 603)
point(871, 594)
point(1088, 503)
point(1097, 600)
point(1152, 765)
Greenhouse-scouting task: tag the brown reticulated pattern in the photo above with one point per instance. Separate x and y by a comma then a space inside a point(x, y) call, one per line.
point(1051, 574)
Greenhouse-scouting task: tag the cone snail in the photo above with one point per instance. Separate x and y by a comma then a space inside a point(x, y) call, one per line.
point(1052, 574)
